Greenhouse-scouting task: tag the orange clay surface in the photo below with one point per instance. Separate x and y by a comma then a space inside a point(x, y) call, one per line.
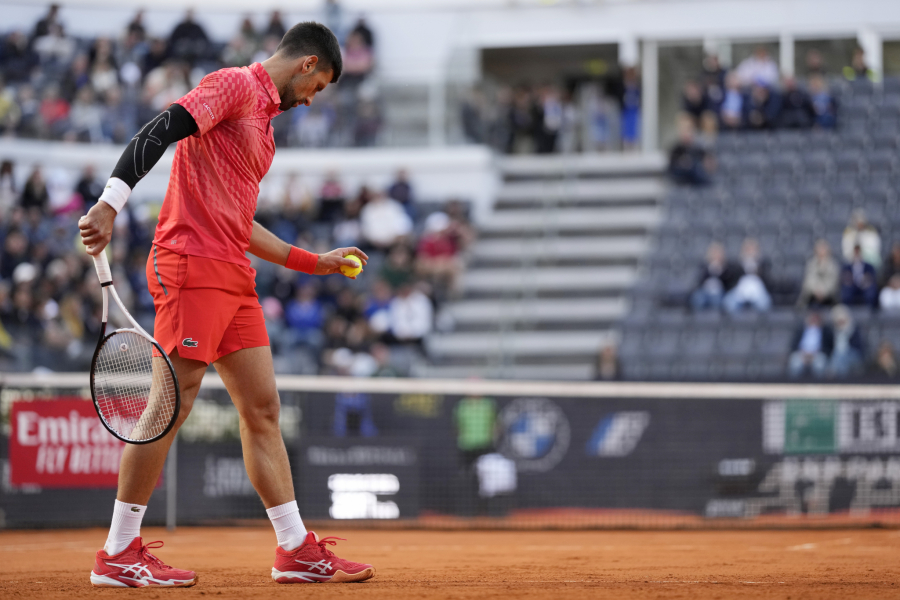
point(235, 563)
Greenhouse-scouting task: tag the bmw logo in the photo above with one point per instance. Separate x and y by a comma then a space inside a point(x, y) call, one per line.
point(534, 432)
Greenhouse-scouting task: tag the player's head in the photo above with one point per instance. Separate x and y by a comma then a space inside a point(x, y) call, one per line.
point(315, 54)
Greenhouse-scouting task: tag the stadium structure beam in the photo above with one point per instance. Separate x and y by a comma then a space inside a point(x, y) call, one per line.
point(649, 96)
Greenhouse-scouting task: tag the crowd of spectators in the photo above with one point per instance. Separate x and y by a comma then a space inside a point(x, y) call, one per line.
point(754, 96)
point(858, 279)
point(375, 326)
point(56, 86)
point(547, 119)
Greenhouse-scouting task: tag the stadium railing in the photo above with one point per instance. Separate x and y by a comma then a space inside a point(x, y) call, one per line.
point(458, 454)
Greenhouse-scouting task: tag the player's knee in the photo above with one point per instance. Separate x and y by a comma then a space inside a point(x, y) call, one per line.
point(263, 414)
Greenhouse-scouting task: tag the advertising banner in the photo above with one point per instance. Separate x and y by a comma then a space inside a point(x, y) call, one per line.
point(61, 443)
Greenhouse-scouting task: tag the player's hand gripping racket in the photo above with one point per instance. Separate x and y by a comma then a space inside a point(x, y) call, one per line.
point(133, 384)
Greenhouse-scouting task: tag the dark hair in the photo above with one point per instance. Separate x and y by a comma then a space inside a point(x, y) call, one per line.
point(311, 38)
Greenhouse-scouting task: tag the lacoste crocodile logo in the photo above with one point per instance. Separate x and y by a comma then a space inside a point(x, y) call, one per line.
point(189, 343)
point(135, 509)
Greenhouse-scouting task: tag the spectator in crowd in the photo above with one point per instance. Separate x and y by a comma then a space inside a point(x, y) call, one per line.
point(10, 114)
point(607, 367)
point(815, 64)
point(797, 111)
point(849, 350)
point(437, 258)
point(630, 101)
point(823, 104)
point(858, 69)
point(860, 232)
point(401, 191)
point(693, 102)
point(136, 27)
point(811, 348)
point(859, 286)
point(717, 277)
point(885, 365)
point(188, 41)
point(761, 108)
point(54, 113)
point(689, 163)
point(359, 60)
point(365, 33)
point(353, 415)
point(382, 355)
point(85, 118)
point(8, 193)
point(891, 264)
point(732, 109)
point(18, 58)
point(889, 297)
point(821, 281)
point(713, 82)
point(460, 227)
point(411, 315)
point(88, 187)
point(384, 222)
point(331, 199)
point(751, 290)
point(305, 315)
point(34, 194)
point(758, 69)
point(377, 307)
point(398, 267)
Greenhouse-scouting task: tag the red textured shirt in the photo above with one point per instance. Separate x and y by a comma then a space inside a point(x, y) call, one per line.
point(211, 199)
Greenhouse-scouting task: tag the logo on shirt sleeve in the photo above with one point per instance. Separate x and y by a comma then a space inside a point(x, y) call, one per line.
point(209, 110)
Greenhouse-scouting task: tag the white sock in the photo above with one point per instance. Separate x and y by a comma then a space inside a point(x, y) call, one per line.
point(126, 525)
point(288, 525)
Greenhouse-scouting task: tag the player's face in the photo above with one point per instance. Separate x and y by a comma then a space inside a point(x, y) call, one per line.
point(303, 88)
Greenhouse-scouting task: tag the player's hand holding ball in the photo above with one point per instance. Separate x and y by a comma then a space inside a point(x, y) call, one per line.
point(347, 261)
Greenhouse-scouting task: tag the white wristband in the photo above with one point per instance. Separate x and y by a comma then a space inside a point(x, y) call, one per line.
point(116, 193)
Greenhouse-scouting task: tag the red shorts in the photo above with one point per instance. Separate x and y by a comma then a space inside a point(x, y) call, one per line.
point(204, 307)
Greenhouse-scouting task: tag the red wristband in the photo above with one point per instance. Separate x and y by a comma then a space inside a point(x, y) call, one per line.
point(300, 260)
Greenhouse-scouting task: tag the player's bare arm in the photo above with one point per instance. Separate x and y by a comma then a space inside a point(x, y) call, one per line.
point(142, 153)
point(265, 245)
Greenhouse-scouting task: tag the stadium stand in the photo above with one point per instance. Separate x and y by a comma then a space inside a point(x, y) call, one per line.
point(786, 189)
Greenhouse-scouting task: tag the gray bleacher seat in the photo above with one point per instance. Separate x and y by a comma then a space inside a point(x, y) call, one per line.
point(885, 140)
point(881, 162)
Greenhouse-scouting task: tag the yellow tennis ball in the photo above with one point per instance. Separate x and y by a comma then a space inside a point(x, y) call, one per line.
point(352, 271)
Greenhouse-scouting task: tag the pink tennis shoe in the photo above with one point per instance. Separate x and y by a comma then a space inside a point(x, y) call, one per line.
point(313, 562)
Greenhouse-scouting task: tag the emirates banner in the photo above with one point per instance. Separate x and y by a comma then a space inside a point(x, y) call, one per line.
point(61, 443)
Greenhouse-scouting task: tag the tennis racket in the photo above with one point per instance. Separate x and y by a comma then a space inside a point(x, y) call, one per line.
point(133, 383)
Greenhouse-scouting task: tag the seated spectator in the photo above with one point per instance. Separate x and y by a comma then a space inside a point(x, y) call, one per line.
point(8, 193)
point(885, 365)
point(717, 277)
point(377, 307)
point(891, 264)
point(732, 109)
point(815, 65)
point(859, 285)
point(463, 232)
point(365, 33)
point(630, 100)
point(797, 110)
point(10, 113)
point(411, 315)
point(331, 199)
point(34, 193)
point(398, 268)
point(823, 104)
point(860, 232)
point(889, 298)
point(276, 27)
point(751, 290)
point(359, 59)
point(88, 187)
point(382, 355)
point(384, 222)
point(437, 258)
point(85, 118)
point(689, 163)
point(761, 108)
point(54, 112)
point(758, 69)
point(858, 70)
point(693, 102)
point(848, 351)
point(713, 82)
point(188, 41)
point(305, 315)
point(607, 367)
point(821, 281)
point(402, 192)
point(811, 348)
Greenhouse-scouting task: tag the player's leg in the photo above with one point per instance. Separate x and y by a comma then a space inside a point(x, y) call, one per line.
point(301, 556)
point(139, 470)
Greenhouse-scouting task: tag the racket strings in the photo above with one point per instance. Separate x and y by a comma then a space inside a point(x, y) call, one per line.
point(135, 390)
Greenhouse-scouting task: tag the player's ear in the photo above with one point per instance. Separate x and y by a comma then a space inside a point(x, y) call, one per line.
point(309, 64)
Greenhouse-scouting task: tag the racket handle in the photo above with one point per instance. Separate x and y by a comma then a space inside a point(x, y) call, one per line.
point(102, 265)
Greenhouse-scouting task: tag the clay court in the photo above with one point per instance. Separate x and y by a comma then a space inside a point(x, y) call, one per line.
point(235, 563)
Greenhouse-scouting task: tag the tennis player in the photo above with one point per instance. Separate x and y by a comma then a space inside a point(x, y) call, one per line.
point(207, 310)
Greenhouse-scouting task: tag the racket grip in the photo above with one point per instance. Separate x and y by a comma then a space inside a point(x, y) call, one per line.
point(101, 263)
